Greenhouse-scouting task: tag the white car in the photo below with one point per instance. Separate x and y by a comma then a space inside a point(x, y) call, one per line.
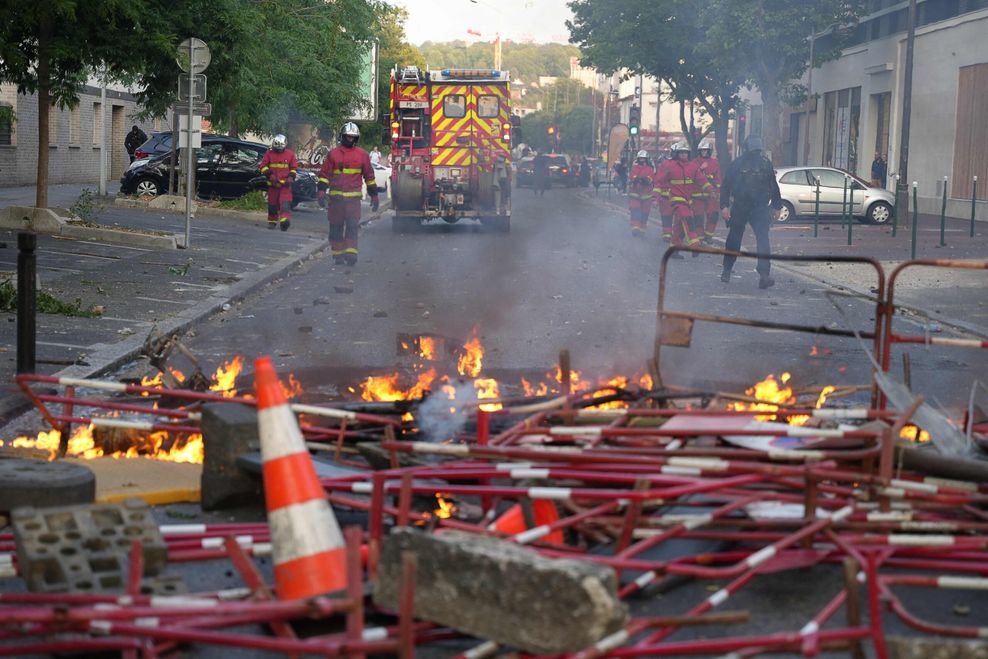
point(798, 188)
point(382, 176)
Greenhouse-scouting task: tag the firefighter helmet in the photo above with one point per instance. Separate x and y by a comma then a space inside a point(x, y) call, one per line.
point(349, 134)
point(680, 147)
point(279, 143)
point(753, 143)
point(704, 145)
point(642, 155)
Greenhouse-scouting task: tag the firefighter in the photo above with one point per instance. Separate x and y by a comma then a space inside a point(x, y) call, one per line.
point(677, 178)
point(707, 202)
point(280, 167)
point(343, 172)
point(661, 196)
point(640, 194)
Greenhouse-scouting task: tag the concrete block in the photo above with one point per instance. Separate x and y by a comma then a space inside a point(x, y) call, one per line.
point(85, 549)
point(133, 238)
point(27, 218)
point(501, 592)
point(41, 483)
point(936, 648)
point(228, 431)
point(170, 202)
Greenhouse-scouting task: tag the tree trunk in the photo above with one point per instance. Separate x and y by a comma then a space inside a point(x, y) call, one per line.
point(44, 85)
point(724, 154)
point(234, 125)
point(685, 127)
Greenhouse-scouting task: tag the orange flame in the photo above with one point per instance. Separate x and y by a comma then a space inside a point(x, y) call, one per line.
point(471, 360)
point(82, 445)
point(488, 388)
point(914, 434)
point(386, 387)
point(225, 377)
point(427, 348)
point(446, 507)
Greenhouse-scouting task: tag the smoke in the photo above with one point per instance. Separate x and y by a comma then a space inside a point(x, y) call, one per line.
point(441, 416)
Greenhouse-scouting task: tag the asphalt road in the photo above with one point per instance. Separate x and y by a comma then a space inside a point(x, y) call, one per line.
point(569, 275)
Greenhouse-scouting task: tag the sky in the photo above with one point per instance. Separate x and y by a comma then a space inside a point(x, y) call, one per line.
point(519, 20)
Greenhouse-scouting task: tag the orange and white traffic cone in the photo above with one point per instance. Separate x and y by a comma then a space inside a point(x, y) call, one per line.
point(308, 550)
point(512, 522)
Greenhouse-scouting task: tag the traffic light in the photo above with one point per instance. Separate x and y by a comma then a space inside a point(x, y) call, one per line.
point(551, 130)
point(634, 119)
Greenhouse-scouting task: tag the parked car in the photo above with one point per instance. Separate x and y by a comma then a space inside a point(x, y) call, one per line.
point(798, 188)
point(525, 172)
point(382, 176)
point(560, 170)
point(226, 168)
point(155, 145)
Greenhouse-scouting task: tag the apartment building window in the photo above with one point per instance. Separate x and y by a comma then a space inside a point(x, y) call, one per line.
point(970, 157)
point(931, 12)
point(883, 114)
point(75, 125)
point(97, 124)
point(6, 124)
point(842, 114)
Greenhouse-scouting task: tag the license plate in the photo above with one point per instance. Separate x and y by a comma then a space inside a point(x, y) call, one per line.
point(413, 105)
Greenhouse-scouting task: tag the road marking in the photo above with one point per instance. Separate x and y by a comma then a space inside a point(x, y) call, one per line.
point(134, 249)
point(244, 262)
point(83, 255)
point(156, 299)
point(63, 345)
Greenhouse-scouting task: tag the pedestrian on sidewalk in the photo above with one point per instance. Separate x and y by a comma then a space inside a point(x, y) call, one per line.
point(750, 195)
point(879, 171)
point(280, 166)
point(134, 139)
point(343, 173)
point(375, 155)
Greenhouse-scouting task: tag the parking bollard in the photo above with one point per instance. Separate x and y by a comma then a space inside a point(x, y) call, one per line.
point(27, 278)
point(974, 196)
point(915, 217)
point(895, 209)
point(850, 214)
point(816, 216)
point(943, 214)
point(843, 207)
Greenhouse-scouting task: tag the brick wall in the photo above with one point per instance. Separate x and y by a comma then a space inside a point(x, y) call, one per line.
point(74, 150)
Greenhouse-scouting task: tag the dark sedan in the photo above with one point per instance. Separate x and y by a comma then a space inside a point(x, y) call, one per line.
point(560, 170)
point(226, 168)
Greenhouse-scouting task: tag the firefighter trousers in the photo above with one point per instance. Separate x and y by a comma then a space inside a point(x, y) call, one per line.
point(760, 221)
point(639, 209)
point(280, 204)
point(344, 222)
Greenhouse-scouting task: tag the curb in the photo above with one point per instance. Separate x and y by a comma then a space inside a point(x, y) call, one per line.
point(47, 221)
point(114, 355)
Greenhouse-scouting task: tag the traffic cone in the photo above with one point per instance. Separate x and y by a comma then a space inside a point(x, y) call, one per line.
point(512, 522)
point(308, 550)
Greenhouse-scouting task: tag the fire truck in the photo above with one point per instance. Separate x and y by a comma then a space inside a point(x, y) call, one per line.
point(450, 146)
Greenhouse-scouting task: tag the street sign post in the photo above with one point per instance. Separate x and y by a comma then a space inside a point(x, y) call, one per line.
point(201, 109)
point(193, 58)
point(197, 86)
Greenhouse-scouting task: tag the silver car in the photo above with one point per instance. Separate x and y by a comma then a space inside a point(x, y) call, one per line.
point(798, 188)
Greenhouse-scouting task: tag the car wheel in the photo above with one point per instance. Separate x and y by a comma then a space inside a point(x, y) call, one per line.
point(787, 213)
point(147, 186)
point(880, 212)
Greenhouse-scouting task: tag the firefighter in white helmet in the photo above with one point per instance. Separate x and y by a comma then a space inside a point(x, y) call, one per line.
point(640, 196)
point(343, 173)
point(280, 166)
point(706, 202)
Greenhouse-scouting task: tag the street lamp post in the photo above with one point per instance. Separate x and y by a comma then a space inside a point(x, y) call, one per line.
point(809, 95)
point(902, 188)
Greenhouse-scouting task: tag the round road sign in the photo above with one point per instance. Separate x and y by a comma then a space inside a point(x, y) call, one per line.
point(192, 55)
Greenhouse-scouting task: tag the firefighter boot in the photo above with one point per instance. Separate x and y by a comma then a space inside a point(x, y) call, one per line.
point(725, 276)
point(338, 260)
point(765, 281)
point(285, 224)
point(272, 225)
point(351, 259)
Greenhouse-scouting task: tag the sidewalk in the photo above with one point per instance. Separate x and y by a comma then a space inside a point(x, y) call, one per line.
point(138, 289)
point(948, 296)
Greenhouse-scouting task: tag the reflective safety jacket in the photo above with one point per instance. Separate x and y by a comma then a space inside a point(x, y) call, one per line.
point(679, 180)
point(640, 182)
point(709, 170)
point(279, 166)
point(344, 171)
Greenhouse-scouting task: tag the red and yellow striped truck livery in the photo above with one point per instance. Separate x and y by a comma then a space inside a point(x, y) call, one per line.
point(451, 146)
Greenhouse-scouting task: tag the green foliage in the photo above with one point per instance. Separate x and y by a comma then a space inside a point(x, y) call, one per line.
point(181, 270)
point(87, 207)
point(252, 201)
point(46, 303)
point(574, 127)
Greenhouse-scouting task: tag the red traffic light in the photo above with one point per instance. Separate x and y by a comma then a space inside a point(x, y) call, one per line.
point(551, 130)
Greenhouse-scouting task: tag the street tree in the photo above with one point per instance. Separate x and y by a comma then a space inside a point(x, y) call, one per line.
point(50, 48)
point(771, 40)
point(665, 39)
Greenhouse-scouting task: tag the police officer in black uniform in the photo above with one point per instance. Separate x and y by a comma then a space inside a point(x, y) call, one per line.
point(750, 195)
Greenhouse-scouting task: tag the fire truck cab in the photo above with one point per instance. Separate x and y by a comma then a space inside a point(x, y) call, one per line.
point(450, 146)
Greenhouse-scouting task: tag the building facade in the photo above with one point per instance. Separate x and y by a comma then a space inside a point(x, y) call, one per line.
point(76, 135)
point(855, 106)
